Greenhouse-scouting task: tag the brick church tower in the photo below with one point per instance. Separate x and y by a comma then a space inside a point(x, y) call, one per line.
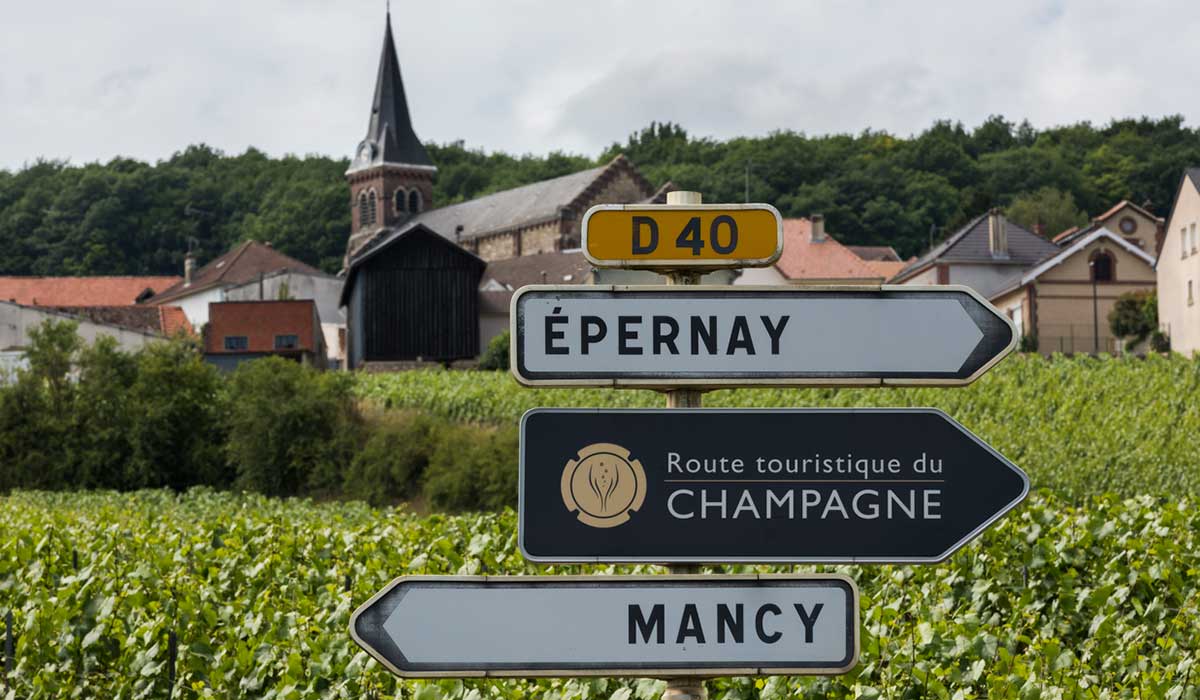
point(391, 175)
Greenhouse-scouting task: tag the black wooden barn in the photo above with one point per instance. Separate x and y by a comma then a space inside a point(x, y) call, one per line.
point(412, 295)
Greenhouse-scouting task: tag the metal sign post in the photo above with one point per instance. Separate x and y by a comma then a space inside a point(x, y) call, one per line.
point(686, 688)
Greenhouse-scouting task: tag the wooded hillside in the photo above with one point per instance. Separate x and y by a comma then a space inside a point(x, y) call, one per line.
point(130, 217)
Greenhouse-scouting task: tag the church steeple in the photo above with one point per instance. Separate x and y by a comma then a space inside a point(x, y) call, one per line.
point(390, 137)
point(391, 174)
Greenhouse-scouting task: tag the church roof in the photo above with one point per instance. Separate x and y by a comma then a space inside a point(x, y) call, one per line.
point(390, 138)
point(518, 208)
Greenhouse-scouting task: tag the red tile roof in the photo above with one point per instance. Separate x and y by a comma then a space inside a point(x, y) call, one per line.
point(80, 291)
point(827, 260)
point(174, 321)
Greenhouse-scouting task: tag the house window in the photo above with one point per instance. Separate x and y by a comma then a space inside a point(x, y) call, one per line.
point(362, 210)
point(371, 207)
point(1190, 299)
point(414, 201)
point(1102, 267)
point(287, 342)
point(1183, 242)
point(239, 342)
point(399, 200)
point(1193, 238)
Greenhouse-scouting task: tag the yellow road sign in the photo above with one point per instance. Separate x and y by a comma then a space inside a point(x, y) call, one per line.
point(668, 236)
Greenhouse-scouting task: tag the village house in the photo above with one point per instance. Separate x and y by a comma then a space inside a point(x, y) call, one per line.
point(984, 255)
point(811, 256)
point(1133, 223)
point(131, 327)
point(251, 270)
point(101, 306)
point(239, 331)
point(1061, 303)
point(1178, 267)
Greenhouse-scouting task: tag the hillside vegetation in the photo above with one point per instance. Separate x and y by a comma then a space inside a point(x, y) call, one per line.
point(1079, 426)
point(130, 217)
point(1095, 601)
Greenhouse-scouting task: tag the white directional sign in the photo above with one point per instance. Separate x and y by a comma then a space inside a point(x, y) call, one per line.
point(678, 336)
point(611, 625)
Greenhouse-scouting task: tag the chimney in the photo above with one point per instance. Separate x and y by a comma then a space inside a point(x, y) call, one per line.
point(818, 228)
point(997, 234)
point(189, 266)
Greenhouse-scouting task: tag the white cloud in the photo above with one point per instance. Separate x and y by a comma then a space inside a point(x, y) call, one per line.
point(145, 78)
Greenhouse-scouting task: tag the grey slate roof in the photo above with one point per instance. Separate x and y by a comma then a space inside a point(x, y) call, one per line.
point(390, 137)
point(1194, 175)
point(565, 267)
point(510, 209)
point(970, 245)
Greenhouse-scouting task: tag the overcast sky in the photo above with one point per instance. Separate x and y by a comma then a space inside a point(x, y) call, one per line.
point(144, 78)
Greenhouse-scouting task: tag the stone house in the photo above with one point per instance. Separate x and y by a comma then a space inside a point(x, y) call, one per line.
point(1063, 300)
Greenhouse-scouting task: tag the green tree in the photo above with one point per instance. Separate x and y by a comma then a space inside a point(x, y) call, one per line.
point(1053, 210)
point(177, 412)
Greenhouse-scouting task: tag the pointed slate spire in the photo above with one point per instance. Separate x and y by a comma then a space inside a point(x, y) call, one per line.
point(390, 138)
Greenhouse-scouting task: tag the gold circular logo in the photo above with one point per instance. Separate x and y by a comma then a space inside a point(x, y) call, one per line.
point(603, 486)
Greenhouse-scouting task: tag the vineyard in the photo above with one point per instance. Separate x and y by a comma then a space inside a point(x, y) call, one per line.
point(208, 595)
point(1079, 426)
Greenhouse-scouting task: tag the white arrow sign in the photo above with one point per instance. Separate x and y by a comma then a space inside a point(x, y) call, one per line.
point(612, 625)
point(673, 336)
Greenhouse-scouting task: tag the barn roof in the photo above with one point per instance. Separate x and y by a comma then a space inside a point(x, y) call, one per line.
point(408, 230)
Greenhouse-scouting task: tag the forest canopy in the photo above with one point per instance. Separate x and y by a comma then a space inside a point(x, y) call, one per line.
point(130, 217)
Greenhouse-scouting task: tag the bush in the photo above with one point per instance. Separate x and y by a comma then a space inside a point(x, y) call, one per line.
point(1028, 343)
point(291, 427)
point(390, 465)
point(177, 419)
point(473, 468)
point(496, 355)
point(1134, 316)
